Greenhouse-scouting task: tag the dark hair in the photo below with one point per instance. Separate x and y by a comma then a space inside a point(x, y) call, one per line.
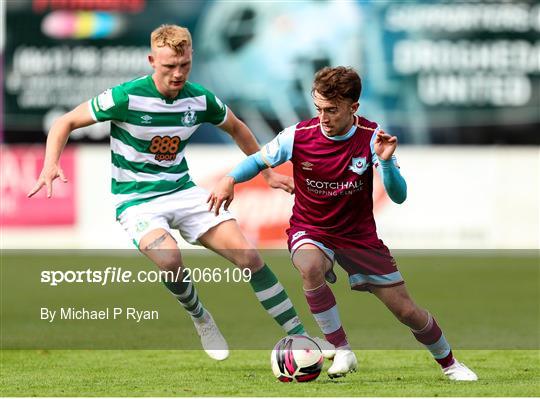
point(337, 83)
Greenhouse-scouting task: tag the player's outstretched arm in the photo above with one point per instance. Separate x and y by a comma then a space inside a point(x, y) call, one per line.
point(393, 182)
point(245, 140)
point(56, 141)
point(223, 192)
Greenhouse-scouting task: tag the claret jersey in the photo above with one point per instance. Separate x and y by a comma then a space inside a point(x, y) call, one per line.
point(333, 176)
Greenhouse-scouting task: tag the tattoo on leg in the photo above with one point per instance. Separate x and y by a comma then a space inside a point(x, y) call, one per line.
point(154, 244)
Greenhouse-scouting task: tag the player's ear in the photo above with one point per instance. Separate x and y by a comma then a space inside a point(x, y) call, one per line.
point(151, 59)
point(355, 106)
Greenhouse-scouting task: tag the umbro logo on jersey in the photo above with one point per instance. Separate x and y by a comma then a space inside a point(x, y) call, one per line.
point(297, 235)
point(307, 165)
point(146, 119)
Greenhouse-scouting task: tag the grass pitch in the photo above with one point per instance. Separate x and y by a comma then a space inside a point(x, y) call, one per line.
point(248, 373)
point(488, 305)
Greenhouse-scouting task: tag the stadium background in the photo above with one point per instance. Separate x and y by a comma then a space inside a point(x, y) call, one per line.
point(459, 84)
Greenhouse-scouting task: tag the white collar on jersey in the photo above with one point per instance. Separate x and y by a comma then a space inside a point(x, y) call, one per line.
point(345, 136)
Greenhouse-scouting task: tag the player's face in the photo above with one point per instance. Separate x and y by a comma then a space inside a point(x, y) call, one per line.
point(336, 116)
point(171, 69)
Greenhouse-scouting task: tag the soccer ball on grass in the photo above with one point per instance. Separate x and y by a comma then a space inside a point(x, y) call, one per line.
point(296, 358)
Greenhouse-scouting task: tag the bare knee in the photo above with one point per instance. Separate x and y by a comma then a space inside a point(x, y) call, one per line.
point(248, 259)
point(311, 272)
point(160, 247)
point(311, 265)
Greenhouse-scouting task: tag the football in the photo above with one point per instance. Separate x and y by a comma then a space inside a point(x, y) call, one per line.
point(296, 358)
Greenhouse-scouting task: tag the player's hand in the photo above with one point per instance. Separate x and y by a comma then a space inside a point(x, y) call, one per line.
point(277, 180)
point(46, 178)
point(223, 192)
point(385, 145)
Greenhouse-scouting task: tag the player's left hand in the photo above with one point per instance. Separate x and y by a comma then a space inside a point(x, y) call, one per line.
point(277, 180)
point(385, 145)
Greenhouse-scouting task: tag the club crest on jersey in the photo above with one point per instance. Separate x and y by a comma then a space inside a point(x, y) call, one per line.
point(358, 165)
point(189, 118)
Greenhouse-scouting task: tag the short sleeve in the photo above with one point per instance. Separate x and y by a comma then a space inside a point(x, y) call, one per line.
point(280, 149)
point(112, 104)
point(216, 110)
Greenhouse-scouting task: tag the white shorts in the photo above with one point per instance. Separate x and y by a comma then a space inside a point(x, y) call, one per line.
point(184, 210)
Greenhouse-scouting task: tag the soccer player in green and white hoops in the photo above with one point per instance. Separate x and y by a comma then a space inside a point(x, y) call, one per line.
point(152, 119)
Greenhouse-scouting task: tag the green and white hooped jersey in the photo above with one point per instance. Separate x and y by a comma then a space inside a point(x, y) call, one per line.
point(149, 133)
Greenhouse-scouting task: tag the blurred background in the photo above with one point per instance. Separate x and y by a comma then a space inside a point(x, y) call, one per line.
point(458, 83)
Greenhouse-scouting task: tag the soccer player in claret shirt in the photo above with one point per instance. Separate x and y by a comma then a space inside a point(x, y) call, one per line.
point(152, 119)
point(333, 156)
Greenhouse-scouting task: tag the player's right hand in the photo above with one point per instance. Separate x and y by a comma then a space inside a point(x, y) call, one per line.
point(223, 192)
point(46, 178)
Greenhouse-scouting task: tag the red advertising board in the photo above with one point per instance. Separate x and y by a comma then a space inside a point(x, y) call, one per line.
point(19, 169)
